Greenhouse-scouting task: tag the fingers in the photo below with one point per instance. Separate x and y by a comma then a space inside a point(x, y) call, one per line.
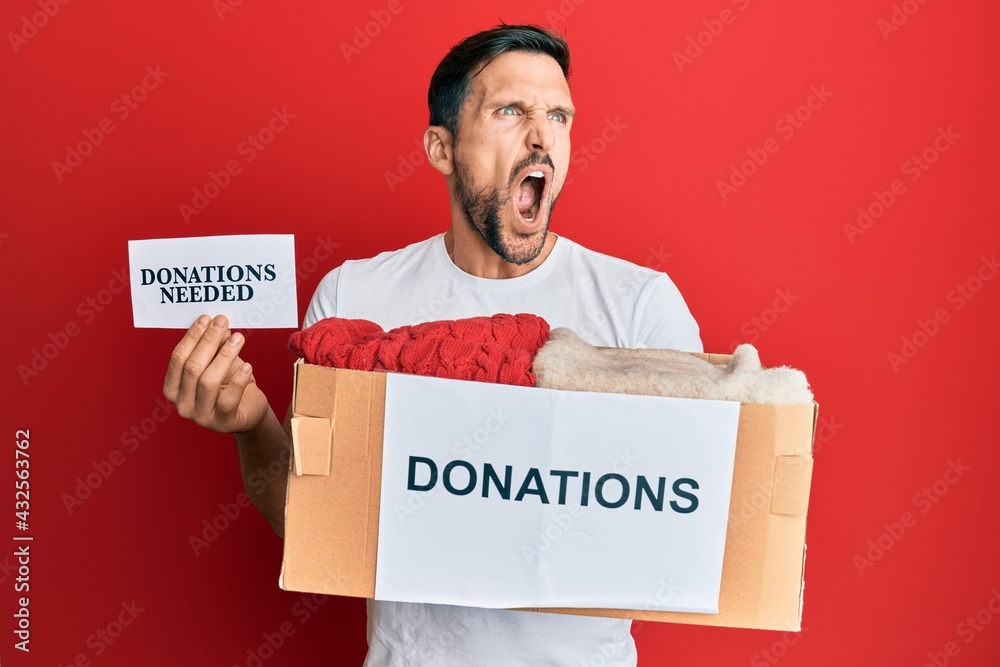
point(210, 382)
point(179, 356)
point(230, 397)
point(197, 361)
point(233, 367)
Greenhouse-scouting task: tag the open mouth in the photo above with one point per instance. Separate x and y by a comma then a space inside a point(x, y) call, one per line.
point(528, 197)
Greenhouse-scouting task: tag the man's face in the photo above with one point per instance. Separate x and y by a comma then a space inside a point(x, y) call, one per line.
point(512, 152)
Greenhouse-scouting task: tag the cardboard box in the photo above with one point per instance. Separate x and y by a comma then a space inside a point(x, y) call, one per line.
point(332, 508)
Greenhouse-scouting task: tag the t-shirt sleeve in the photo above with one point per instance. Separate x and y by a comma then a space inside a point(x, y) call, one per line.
point(663, 320)
point(324, 300)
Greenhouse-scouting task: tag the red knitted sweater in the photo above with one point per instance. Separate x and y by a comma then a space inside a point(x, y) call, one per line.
point(496, 349)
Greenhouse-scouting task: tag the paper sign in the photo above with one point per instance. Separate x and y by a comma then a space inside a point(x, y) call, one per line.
point(250, 279)
point(529, 497)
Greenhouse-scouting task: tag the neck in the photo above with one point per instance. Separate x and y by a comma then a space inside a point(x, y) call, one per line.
point(471, 254)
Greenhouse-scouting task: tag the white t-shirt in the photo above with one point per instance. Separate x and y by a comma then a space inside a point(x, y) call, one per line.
point(607, 301)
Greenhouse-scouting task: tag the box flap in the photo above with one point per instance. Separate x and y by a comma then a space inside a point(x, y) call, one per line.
point(331, 522)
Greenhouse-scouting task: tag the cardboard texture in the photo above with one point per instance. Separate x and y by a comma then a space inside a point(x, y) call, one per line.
point(332, 508)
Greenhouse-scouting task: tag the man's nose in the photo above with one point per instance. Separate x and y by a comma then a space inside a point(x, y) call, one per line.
point(540, 135)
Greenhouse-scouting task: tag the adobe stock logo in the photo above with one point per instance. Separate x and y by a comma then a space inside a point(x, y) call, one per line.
point(223, 7)
point(967, 629)
point(43, 355)
point(958, 297)
point(562, 12)
point(696, 44)
point(249, 149)
point(407, 165)
point(901, 13)
point(31, 26)
point(101, 471)
point(758, 324)
point(584, 154)
point(787, 125)
point(914, 168)
point(102, 638)
point(923, 500)
point(778, 649)
point(370, 30)
point(122, 106)
point(271, 642)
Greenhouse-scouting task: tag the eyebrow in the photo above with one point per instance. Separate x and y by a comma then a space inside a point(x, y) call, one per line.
point(501, 103)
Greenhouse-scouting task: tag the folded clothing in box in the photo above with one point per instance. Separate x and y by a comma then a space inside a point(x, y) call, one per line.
point(485, 349)
point(520, 350)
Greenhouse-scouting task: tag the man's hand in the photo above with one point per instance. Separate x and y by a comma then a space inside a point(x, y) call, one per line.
point(209, 383)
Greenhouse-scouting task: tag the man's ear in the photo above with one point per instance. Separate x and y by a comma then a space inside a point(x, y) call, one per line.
point(440, 148)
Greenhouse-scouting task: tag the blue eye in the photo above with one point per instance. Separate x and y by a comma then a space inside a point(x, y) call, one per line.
point(508, 111)
point(556, 116)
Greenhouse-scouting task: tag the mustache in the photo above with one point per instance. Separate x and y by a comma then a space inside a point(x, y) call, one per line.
point(530, 159)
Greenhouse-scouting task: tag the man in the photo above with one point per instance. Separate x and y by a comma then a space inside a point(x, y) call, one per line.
point(501, 114)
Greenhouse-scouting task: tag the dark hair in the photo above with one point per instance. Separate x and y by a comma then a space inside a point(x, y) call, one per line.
point(450, 81)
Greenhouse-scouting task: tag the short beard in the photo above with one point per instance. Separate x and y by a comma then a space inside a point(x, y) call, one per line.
point(482, 211)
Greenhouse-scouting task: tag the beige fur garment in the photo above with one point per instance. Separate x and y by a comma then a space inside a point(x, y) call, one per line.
point(567, 362)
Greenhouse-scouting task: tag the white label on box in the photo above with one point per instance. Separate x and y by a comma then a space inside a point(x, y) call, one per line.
point(250, 279)
point(500, 496)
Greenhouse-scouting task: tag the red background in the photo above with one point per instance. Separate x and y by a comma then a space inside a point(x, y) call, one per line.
point(647, 191)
